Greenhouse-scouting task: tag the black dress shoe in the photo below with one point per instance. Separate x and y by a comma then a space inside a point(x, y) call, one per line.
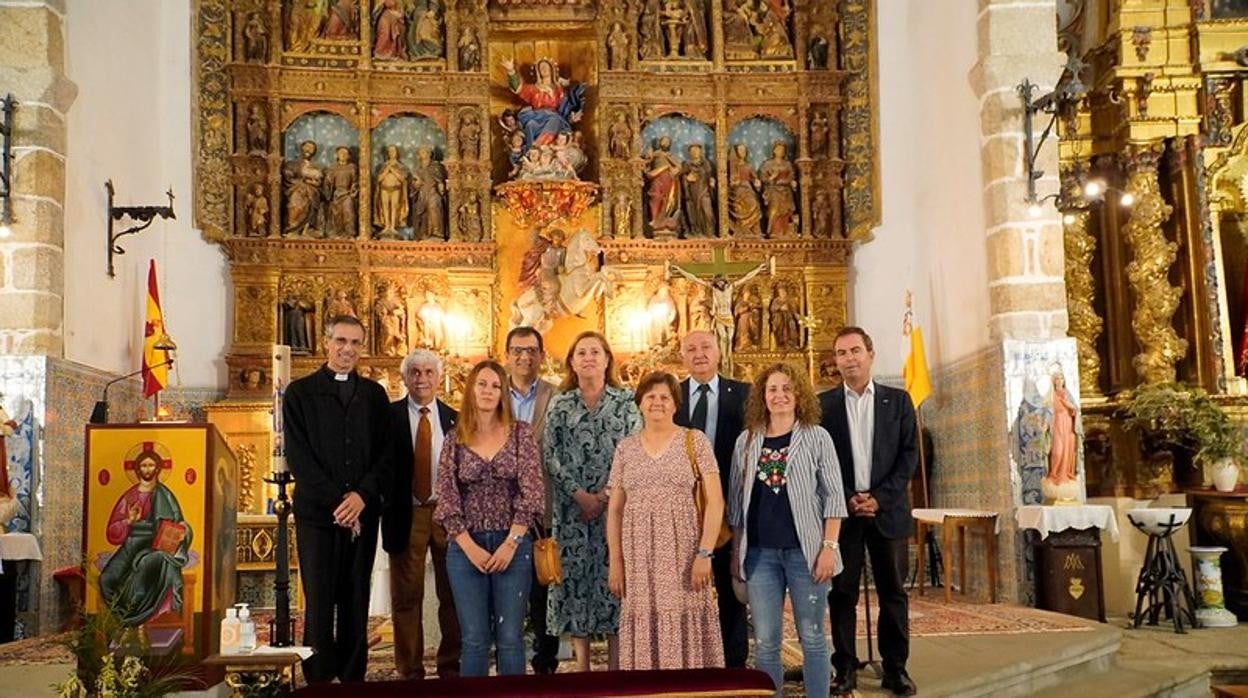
point(846, 683)
point(899, 683)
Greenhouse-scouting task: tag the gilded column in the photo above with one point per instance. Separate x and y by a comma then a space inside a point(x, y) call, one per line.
point(1156, 299)
point(1084, 324)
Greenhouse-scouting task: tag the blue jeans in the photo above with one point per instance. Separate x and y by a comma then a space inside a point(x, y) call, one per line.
point(768, 572)
point(491, 607)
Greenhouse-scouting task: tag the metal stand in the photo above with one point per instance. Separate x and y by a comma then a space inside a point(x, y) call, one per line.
point(1163, 582)
point(281, 628)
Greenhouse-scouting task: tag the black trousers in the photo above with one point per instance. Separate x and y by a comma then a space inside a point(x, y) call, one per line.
point(336, 571)
point(734, 625)
point(545, 647)
point(889, 562)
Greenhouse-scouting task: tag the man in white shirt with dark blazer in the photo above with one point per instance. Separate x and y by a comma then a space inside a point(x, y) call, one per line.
point(715, 405)
point(419, 423)
point(874, 430)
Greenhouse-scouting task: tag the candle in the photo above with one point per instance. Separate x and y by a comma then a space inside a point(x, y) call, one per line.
point(280, 371)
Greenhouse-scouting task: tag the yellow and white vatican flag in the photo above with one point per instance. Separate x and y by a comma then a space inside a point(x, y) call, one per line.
point(918, 381)
point(155, 361)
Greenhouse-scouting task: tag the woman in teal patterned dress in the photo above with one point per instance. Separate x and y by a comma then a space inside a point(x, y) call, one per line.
point(583, 425)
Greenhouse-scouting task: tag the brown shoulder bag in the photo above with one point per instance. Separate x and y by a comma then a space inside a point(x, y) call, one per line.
point(699, 494)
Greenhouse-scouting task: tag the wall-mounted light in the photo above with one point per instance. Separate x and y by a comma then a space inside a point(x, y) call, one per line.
point(144, 215)
point(6, 165)
point(1070, 89)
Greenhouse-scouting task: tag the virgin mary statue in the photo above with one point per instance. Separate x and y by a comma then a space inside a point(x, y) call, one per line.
point(554, 103)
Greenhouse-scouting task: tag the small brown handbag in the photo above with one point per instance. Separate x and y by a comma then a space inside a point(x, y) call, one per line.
point(699, 494)
point(546, 557)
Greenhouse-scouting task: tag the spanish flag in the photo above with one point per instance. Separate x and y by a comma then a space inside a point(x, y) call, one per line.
point(155, 370)
point(918, 382)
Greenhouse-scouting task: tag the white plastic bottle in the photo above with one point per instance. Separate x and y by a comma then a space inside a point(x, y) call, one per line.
point(231, 631)
point(247, 630)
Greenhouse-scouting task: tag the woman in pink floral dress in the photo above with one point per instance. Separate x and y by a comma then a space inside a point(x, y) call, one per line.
point(660, 553)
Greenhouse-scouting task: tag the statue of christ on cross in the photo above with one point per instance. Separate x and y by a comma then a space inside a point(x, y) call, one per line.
point(722, 292)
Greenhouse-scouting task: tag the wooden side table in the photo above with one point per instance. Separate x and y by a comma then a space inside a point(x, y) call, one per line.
point(259, 675)
point(957, 521)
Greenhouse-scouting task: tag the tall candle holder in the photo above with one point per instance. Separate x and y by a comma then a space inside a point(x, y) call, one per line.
point(282, 626)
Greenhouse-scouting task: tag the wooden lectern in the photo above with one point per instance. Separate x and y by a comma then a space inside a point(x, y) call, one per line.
point(158, 532)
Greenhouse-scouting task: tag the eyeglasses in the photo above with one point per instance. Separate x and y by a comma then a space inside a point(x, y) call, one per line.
point(521, 351)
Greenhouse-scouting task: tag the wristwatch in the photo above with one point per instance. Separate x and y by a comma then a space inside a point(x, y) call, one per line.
point(705, 553)
point(831, 545)
point(516, 539)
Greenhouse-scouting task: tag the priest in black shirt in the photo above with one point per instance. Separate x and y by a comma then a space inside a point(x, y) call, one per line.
point(336, 445)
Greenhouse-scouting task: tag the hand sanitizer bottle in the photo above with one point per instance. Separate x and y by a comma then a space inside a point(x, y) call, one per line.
point(247, 630)
point(230, 632)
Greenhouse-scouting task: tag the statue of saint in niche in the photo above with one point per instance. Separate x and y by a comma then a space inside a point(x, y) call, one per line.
point(819, 130)
point(390, 312)
point(469, 50)
point(339, 303)
point(343, 21)
point(302, 181)
point(560, 275)
point(342, 192)
point(821, 214)
point(468, 219)
point(298, 324)
point(307, 17)
point(786, 327)
point(697, 180)
point(620, 137)
point(425, 36)
point(673, 29)
point(662, 313)
point(745, 213)
point(749, 320)
point(779, 187)
point(663, 190)
point(390, 206)
point(389, 31)
point(756, 29)
point(772, 27)
point(469, 135)
point(617, 47)
point(554, 104)
point(428, 209)
point(257, 204)
point(255, 39)
point(257, 129)
point(817, 49)
point(432, 322)
point(623, 213)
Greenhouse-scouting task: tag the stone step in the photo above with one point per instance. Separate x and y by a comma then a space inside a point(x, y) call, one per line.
point(1126, 681)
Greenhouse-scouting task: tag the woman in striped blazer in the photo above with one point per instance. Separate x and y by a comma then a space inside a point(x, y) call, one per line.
point(785, 506)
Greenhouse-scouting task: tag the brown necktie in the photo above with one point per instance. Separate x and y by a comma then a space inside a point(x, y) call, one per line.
point(422, 459)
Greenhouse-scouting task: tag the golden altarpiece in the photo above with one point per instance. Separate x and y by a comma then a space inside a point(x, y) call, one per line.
point(445, 170)
point(1155, 265)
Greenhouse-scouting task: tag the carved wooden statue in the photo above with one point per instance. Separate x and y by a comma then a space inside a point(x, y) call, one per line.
point(257, 211)
point(342, 194)
point(819, 130)
point(697, 181)
point(298, 324)
point(390, 315)
point(749, 320)
point(617, 47)
point(817, 50)
point(389, 31)
point(623, 213)
point(432, 322)
point(425, 40)
point(343, 21)
point(821, 214)
point(390, 207)
point(257, 130)
point(786, 328)
point(620, 137)
point(663, 190)
point(339, 303)
point(469, 50)
point(428, 208)
point(469, 135)
point(468, 219)
point(779, 178)
point(745, 212)
point(255, 39)
point(302, 180)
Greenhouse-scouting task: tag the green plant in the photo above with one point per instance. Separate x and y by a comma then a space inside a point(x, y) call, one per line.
point(1183, 417)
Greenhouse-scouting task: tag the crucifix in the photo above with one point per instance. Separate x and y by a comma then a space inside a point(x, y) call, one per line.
point(722, 291)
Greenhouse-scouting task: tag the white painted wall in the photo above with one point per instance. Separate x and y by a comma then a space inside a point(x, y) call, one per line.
point(132, 123)
point(931, 238)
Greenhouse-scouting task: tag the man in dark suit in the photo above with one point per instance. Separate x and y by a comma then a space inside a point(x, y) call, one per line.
point(530, 395)
point(419, 423)
point(336, 439)
point(715, 405)
point(873, 427)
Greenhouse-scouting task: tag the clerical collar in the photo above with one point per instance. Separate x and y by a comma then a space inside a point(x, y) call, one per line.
point(342, 377)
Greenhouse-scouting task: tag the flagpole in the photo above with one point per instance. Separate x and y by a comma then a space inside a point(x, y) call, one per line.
point(918, 420)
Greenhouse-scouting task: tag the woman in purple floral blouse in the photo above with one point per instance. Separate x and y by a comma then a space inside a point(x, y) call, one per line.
point(489, 491)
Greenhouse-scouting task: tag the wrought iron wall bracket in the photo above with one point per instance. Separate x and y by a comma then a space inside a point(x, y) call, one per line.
point(1069, 90)
point(142, 215)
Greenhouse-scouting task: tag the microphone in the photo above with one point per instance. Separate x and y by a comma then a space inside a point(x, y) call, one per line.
point(99, 414)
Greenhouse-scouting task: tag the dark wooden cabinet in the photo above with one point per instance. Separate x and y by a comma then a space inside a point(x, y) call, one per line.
point(1068, 575)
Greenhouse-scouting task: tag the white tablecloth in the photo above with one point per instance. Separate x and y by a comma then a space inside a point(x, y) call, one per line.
point(937, 516)
point(18, 546)
point(1052, 519)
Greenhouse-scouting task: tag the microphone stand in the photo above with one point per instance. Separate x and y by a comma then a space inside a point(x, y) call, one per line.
point(99, 415)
